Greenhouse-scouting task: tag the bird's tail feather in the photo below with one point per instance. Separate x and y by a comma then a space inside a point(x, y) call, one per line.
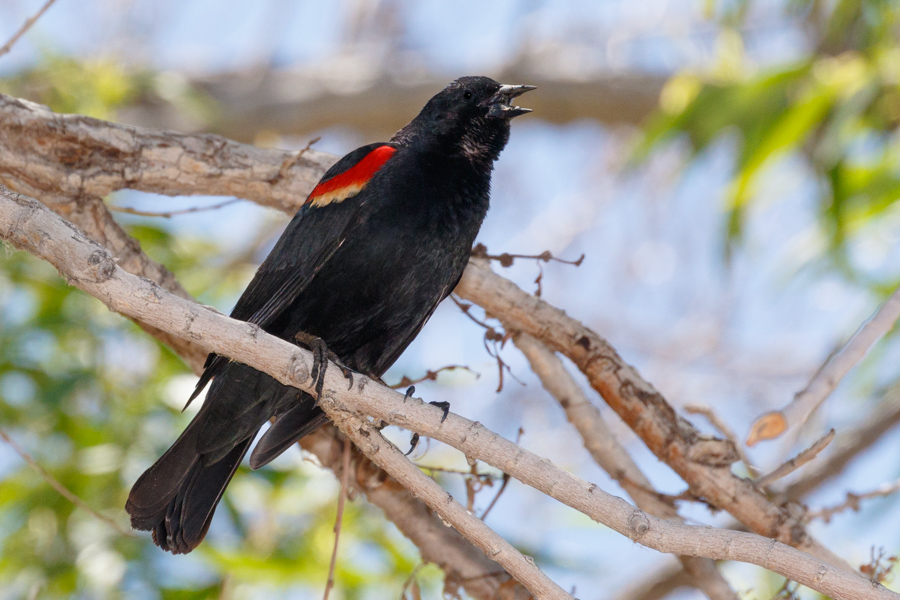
point(177, 496)
point(301, 419)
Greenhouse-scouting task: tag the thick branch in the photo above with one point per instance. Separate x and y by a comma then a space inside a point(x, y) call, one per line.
point(612, 456)
point(703, 462)
point(29, 225)
point(63, 157)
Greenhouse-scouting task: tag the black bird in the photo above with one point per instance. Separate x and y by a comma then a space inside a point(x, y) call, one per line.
point(379, 242)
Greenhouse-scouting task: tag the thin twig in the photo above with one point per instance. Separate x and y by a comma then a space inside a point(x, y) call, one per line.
point(773, 424)
point(405, 381)
point(723, 428)
point(852, 443)
point(506, 259)
point(342, 497)
point(25, 27)
point(292, 159)
point(798, 461)
point(169, 214)
point(497, 497)
point(411, 580)
point(459, 472)
point(59, 487)
point(852, 501)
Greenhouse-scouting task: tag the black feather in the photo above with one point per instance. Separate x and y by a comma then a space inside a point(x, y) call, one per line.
point(363, 272)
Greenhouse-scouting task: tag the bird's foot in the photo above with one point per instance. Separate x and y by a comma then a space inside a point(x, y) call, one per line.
point(413, 442)
point(321, 356)
point(444, 406)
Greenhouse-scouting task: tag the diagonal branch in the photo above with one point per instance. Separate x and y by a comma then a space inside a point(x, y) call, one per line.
point(773, 424)
point(612, 456)
point(30, 226)
point(28, 24)
point(63, 157)
point(703, 462)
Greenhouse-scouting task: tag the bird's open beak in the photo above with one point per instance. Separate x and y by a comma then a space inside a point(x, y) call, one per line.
point(501, 103)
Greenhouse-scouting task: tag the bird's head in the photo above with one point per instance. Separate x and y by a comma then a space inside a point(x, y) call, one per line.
point(469, 118)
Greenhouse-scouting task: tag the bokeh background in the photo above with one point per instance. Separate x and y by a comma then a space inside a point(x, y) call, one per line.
point(729, 169)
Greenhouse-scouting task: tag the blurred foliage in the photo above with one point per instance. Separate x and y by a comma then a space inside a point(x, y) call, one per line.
point(837, 108)
point(95, 401)
point(99, 87)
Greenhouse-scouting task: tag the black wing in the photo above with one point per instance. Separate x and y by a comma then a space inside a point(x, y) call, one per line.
point(309, 240)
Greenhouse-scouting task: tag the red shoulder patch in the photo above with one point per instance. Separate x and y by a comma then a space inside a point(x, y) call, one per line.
point(350, 182)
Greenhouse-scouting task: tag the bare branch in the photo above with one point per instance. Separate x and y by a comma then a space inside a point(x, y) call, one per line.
point(93, 158)
point(723, 428)
point(612, 456)
point(798, 461)
point(703, 462)
point(849, 445)
point(771, 425)
point(28, 24)
point(852, 501)
point(30, 226)
point(173, 213)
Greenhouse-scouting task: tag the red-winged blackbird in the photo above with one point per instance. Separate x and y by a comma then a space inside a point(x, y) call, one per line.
point(379, 242)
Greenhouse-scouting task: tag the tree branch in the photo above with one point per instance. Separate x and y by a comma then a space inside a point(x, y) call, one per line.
point(773, 424)
point(88, 157)
point(703, 462)
point(30, 226)
point(71, 161)
point(28, 24)
point(612, 456)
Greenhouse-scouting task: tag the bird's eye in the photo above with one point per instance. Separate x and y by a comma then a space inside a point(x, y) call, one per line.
point(467, 95)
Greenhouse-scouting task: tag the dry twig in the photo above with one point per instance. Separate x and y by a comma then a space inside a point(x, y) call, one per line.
point(723, 428)
point(405, 381)
point(852, 501)
point(771, 425)
point(172, 213)
point(28, 24)
point(342, 497)
point(798, 461)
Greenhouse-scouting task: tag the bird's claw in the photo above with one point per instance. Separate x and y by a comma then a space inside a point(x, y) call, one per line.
point(413, 442)
point(445, 407)
point(321, 356)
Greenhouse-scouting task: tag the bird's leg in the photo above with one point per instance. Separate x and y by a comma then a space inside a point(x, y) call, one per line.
point(321, 356)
